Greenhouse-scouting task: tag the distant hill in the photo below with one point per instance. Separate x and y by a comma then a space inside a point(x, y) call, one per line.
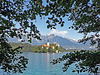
point(64, 42)
point(26, 46)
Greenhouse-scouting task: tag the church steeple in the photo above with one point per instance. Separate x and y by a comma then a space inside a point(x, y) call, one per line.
point(48, 42)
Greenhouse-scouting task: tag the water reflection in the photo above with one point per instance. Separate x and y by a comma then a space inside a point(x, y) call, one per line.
point(53, 55)
point(48, 59)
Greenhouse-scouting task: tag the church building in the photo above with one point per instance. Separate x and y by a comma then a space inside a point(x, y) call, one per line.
point(47, 45)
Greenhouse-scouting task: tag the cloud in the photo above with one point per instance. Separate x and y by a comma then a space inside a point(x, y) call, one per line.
point(74, 39)
point(54, 31)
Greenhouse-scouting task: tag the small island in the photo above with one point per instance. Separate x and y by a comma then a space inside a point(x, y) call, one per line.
point(48, 48)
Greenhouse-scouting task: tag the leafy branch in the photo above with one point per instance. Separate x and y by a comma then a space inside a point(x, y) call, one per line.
point(87, 61)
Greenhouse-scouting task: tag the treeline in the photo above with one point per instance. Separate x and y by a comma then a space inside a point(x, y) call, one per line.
point(26, 47)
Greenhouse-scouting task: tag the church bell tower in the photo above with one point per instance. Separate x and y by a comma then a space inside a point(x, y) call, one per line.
point(48, 42)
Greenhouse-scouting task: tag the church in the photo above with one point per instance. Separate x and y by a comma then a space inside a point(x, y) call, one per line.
point(47, 45)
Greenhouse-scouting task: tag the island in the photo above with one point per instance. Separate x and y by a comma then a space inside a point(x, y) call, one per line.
point(48, 48)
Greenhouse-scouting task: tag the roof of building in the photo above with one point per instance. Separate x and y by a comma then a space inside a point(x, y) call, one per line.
point(45, 45)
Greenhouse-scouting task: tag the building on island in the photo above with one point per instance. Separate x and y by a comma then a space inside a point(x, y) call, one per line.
point(53, 46)
point(47, 45)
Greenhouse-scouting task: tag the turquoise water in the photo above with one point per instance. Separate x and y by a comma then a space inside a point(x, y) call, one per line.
point(39, 64)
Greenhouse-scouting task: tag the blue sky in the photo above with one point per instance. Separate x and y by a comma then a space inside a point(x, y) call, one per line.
point(61, 31)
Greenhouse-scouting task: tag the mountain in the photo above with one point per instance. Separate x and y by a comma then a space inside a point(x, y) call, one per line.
point(64, 42)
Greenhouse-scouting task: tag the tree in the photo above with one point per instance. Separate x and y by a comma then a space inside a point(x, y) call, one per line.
point(14, 22)
point(85, 15)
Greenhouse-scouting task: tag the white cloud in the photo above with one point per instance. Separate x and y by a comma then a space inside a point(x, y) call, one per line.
point(74, 39)
point(54, 31)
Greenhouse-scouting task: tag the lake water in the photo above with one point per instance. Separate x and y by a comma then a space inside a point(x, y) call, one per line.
point(39, 64)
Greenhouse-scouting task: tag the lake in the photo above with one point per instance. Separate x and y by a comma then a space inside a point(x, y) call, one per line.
point(39, 64)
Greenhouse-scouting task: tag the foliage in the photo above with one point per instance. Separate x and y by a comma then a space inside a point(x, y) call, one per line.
point(38, 49)
point(88, 61)
point(10, 60)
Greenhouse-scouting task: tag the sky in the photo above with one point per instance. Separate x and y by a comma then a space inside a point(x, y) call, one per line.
point(60, 31)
